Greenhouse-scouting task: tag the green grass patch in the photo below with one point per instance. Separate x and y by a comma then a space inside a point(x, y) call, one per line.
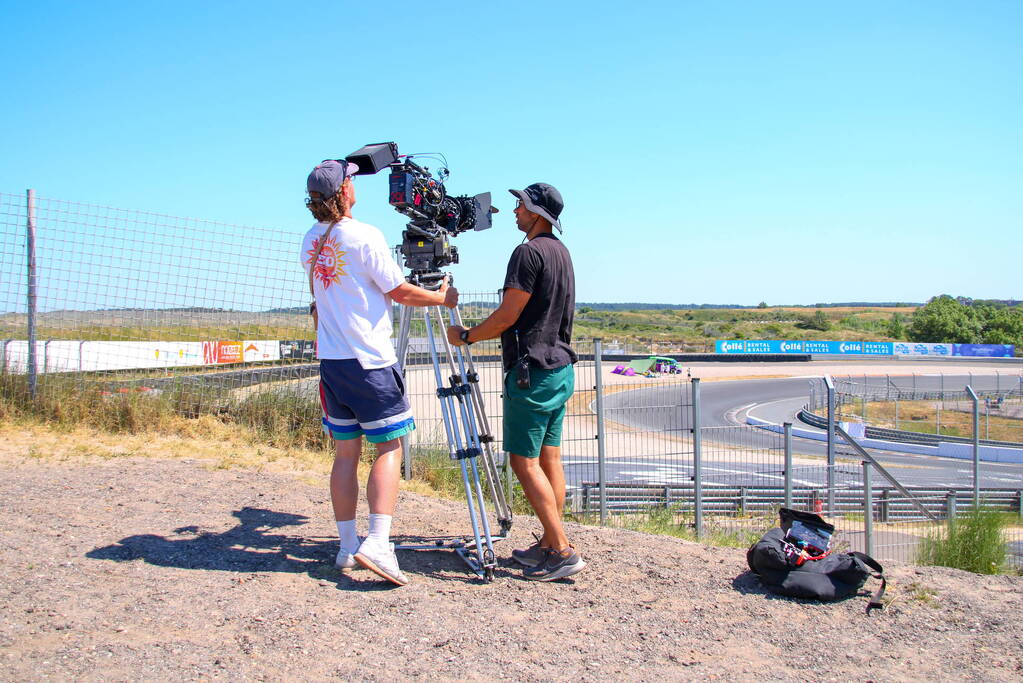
point(739, 532)
point(443, 475)
point(973, 541)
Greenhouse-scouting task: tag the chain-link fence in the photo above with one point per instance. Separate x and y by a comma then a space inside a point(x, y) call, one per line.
point(936, 404)
point(948, 419)
point(121, 309)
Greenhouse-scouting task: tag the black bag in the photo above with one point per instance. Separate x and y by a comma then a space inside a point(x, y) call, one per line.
point(795, 560)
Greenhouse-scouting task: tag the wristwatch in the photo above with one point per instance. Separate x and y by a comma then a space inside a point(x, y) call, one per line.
point(464, 336)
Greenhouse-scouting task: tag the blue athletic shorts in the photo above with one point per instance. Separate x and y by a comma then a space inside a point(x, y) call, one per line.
point(357, 401)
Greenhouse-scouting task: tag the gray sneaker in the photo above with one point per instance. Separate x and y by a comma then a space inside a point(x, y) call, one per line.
point(531, 556)
point(556, 565)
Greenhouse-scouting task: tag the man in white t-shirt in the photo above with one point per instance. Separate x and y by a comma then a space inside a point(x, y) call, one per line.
point(354, 279)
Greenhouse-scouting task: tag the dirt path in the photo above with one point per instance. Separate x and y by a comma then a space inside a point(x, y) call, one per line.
point(136, 568)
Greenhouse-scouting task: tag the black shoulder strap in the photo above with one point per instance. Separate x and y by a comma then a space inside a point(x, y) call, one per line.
point(875, 599)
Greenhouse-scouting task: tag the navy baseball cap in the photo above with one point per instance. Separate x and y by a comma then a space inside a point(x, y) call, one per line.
point(543, 200)
point(328, 176)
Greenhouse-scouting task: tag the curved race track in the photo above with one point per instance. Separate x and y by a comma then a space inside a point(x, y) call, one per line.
point(725, 404)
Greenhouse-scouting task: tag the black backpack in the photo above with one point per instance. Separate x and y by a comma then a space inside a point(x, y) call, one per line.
point(795, 560)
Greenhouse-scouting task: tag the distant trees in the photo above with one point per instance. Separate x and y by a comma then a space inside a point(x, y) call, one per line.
point(964, 321)
point(1002, 325)
point(896, 326)
point(817, 321)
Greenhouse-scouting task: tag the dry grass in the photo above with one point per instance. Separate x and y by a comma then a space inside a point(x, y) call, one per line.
point(207, 440)
point(267, 431)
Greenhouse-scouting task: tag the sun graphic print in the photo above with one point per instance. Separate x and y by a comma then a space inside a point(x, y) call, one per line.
point(330, 266)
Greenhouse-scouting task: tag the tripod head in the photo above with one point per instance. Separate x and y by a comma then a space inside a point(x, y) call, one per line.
point(429, 279)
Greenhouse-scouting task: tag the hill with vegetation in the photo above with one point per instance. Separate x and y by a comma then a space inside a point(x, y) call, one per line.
point(671, 329)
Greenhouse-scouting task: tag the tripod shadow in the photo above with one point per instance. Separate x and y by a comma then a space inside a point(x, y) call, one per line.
point(252, 545)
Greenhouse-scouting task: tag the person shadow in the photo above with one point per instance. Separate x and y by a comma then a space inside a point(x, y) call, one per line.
point(257, 543)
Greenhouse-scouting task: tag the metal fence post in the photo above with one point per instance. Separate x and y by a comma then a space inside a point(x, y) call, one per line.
point(788, 464)
point(987, 418)
point(697, 461)
point(976, 445)
point(831, 444)
point(941, 403)
point(601, 454)
point(31, 256)
point(868, 510)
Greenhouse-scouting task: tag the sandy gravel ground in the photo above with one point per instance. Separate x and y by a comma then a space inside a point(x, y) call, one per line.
point(134, 568)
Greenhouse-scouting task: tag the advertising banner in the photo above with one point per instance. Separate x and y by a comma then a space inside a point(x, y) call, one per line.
point(922, 349)
point(794, 346)
point(103, 355)
point(985, 350)
point(298, 348)
point(257, 350)
point(221, 352)
point(864, 348)
point(94, 356)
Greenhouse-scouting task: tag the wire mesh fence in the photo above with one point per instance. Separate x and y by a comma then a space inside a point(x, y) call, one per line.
point(934, 404)
point(134, 310)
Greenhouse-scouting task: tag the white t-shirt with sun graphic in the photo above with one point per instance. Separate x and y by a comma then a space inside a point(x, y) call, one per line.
point(354, 272)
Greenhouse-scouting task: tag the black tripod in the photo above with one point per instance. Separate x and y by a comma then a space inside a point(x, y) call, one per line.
point(469, 437)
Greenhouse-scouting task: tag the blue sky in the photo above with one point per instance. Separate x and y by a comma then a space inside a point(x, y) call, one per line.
point(707, 152)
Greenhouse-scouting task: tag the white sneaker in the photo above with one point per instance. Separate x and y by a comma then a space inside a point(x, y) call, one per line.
point(346, 558)
point(380, 558)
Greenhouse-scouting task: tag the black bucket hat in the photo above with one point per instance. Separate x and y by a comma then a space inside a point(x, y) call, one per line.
point(543, 200)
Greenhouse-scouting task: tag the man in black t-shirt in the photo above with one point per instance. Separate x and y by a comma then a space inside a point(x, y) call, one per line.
point(534, 322)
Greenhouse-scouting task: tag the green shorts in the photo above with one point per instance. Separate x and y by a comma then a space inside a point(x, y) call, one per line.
point(533, 417)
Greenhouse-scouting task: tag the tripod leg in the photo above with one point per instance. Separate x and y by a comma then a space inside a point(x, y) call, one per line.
point(462, 389)
point(404, 324)
point(497, 492)
point(456, 449)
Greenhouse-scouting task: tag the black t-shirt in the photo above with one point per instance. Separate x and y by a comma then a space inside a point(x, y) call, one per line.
point(543, 267)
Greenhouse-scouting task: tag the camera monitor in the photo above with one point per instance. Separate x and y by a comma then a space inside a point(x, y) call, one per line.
point(374, 158)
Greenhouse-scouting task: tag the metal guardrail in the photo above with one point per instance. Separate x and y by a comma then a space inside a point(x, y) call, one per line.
point(885, 434)
point(889, 503)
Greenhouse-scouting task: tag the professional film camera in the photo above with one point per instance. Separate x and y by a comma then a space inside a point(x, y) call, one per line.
point(434, 216)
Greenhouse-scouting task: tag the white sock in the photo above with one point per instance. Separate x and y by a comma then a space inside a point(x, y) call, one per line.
point(380, 528)
point(346, 532)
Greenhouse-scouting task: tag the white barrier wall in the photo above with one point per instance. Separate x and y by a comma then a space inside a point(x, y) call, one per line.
point(90, 356)
point(962, 451)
